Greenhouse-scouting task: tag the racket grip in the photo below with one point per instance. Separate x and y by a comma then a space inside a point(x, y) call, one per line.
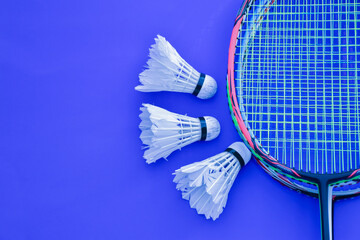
point(326, 209)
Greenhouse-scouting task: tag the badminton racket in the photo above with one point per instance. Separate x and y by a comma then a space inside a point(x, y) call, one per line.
point(293, 92)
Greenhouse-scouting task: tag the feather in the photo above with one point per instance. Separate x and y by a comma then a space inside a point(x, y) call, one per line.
point(166, 70)
point(206, 184)
point(163, 132)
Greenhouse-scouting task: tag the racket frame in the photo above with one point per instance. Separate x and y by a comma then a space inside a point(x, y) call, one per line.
point(285, 175)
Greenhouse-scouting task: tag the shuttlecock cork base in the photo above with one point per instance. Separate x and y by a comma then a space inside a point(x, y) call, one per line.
point(206, 184)
point(206, 87)
point(168, 71)
point(163, 132)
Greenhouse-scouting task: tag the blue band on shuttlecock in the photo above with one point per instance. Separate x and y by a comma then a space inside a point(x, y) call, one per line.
point(203, 128)
point(236, 155)
point(199, 84)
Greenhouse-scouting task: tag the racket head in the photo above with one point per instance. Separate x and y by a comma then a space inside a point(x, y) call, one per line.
point(293, 75)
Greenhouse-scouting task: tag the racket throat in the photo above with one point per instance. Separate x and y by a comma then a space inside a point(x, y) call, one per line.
point(326, 208)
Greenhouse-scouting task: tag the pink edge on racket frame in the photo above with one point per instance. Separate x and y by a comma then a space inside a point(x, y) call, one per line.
point(235, 105)
point(244, 131)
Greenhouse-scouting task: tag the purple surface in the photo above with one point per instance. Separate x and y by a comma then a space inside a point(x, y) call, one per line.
point(71, 163)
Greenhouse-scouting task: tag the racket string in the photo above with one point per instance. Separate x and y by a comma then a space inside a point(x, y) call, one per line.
point(317, 80)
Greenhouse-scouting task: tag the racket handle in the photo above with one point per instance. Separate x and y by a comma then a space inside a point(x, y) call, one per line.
point(326, 209)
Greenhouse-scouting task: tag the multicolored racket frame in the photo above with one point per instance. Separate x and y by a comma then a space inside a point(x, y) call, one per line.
point(344, 179)
point(272, 166)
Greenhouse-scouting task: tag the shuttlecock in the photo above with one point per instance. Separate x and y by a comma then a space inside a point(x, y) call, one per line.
point(206, 184)
point(164, 132)
point(167, 71)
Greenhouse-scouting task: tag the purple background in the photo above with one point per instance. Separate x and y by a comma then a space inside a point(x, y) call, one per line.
point(71, 163)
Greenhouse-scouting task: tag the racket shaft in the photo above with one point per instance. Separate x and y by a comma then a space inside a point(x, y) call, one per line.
point(326, 210)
